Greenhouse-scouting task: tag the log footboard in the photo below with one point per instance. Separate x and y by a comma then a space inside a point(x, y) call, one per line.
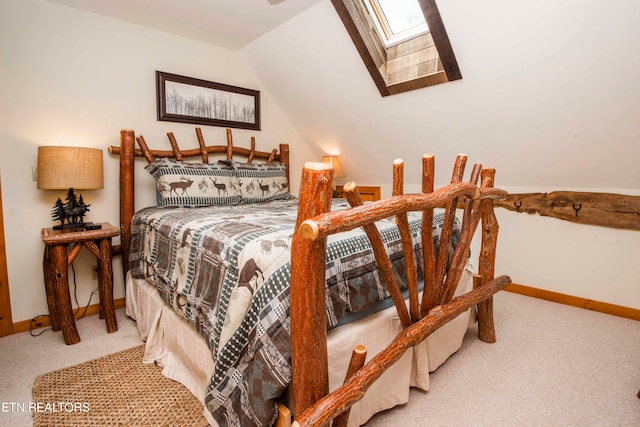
point(313, 405)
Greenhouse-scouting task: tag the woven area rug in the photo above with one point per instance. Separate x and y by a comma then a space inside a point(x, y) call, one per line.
point(115, 390)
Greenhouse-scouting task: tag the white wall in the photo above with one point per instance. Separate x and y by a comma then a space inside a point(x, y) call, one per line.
point(549, 96)
point(74, 78)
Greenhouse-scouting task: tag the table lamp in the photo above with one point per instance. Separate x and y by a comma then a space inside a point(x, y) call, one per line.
point(70, 168)
point(337, 168)
point(335, 162)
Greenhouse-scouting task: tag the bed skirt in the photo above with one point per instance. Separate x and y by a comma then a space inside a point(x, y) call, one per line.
point(174, 344)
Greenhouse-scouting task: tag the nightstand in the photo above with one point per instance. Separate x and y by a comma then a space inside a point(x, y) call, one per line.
point(368, 194)
point(61, 248)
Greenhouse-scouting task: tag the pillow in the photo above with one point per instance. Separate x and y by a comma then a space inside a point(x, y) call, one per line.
point(194, 184)
point(262, 182)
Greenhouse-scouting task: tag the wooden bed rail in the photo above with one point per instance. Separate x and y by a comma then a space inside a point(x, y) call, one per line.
point(356, 386)
point(339, 221)
point(128, 153)
point(312, 403)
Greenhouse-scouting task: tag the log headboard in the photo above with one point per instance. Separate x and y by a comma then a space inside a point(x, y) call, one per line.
point(128, 153)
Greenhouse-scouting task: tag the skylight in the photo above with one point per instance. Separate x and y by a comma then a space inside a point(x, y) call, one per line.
point(411, 53)
point(397, 20)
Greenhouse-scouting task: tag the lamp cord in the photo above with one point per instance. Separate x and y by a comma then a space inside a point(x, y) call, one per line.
point(77, 310)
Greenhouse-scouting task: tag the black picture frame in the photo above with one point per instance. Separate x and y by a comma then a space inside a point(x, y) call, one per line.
point(190, 100)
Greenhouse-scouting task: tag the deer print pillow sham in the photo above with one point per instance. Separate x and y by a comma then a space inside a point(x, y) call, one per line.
point(194, 184)
point(262, 182)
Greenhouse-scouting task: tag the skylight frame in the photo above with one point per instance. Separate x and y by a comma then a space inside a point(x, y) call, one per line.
point(383, 27)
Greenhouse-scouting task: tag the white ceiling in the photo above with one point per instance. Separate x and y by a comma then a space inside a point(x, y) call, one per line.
point(231, 24)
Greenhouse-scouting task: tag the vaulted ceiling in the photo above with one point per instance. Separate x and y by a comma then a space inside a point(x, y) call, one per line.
point(538, 104)
point(231, 24)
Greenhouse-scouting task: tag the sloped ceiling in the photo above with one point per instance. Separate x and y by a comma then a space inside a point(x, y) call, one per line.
point(548, 100)
point(231, 24)
point(551, 102)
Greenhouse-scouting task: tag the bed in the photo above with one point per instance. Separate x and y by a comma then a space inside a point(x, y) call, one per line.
point(261, 303)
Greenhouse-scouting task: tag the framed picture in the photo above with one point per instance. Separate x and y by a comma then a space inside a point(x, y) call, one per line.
point(188, 100)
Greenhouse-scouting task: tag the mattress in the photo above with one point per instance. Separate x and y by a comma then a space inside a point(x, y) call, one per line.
point(184, 355)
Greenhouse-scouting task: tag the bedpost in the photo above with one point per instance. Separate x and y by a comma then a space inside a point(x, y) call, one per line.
point(284, 159)
point(127, 163)
point(486, 329)
point(430, 294)
point(310, 371)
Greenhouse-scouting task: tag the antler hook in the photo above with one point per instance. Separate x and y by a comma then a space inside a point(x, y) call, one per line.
point(577, 208)
point(517, 204)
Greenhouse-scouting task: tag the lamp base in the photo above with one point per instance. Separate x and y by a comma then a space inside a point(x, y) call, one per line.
point(71, 213)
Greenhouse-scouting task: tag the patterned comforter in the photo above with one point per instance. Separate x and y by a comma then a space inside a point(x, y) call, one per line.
point(225, 269)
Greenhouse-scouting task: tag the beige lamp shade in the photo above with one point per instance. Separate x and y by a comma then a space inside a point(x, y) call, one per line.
point(61, 168)
point(335, 162)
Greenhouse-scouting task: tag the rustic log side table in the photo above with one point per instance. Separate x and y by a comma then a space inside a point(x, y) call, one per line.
point(61, 249)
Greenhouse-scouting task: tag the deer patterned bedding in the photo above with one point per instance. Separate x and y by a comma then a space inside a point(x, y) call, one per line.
point(225, 269)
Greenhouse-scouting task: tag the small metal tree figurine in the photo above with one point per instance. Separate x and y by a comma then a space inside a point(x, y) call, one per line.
point(70, 214)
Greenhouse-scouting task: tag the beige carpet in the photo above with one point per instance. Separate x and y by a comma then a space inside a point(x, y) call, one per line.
point(115, 390)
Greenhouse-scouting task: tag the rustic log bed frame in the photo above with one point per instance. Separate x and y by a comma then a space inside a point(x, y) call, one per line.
point(312, 403)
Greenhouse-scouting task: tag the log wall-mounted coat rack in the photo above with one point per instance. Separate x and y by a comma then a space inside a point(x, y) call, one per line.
point(603, 209)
